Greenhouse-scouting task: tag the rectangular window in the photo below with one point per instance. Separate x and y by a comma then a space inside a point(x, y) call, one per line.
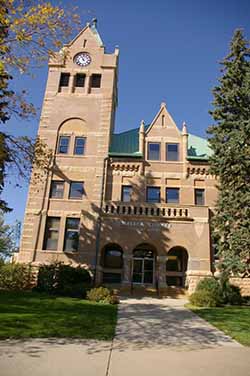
point(57, 189)
point(172, 152)
point(172, 195)
point(63, 144)
point(79, 145)
point(51, 233)
point(153, 151)
point(199, 195)
point(64, 79)
point(153, 194)
point(80, 80)
point(126, 193)
point(71, 239)
point(76, 190)
point(96, 80)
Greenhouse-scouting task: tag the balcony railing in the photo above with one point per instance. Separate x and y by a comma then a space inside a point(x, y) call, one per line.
point(145, 210)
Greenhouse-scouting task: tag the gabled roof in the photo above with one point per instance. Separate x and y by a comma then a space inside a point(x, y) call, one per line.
point(126, 144)
point(92, 27)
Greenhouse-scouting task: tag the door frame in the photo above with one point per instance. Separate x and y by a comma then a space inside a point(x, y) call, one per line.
point(143, 270)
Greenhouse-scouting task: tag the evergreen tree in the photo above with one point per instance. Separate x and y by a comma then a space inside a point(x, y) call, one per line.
point(230, 142)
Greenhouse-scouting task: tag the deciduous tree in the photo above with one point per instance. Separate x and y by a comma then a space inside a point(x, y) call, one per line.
point(29, 32)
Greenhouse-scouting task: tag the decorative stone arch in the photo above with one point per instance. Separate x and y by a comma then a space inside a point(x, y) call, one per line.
point(176, 266)
point(112, 263)
point(70, 132)
point(73, 126)
point(145, 247)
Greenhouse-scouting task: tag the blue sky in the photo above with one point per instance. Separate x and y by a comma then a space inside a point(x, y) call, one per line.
point(169, 51)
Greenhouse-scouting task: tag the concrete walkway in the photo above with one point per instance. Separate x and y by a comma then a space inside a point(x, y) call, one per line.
point(162, 337)
point(153, 337)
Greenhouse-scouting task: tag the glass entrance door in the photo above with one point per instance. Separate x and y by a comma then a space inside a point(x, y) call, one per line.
point(143, 270)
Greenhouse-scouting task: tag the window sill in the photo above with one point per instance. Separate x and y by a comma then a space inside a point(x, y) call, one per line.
point(65, 199)
point(70, 155)
point(160, 161)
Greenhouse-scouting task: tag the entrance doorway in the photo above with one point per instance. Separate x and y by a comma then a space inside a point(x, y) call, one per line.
point(143, 265)
point(176, 267)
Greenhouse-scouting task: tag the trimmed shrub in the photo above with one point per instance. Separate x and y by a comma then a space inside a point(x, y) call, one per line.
point(231, 294)
point(17, 277)
point(208, 293)
point(62, 279)
point(76, 290)
point(102, 295)
point(203, 298)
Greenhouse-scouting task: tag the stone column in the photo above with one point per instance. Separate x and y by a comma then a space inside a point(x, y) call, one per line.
point(161, 270)
point(127, 269)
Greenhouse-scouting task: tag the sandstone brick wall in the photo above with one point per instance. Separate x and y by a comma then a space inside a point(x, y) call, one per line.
point(243, 283)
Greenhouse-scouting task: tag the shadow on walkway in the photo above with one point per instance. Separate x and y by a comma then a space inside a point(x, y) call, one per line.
point(148, 324)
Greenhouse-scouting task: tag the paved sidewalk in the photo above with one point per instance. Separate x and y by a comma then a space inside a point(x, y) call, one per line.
point(153, 337)
point(162, 337)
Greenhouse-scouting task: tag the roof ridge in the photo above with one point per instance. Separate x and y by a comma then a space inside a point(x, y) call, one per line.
point(130, 130)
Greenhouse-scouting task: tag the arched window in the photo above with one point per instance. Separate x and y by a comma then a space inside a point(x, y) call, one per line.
point(113, 257)
point(72, 137)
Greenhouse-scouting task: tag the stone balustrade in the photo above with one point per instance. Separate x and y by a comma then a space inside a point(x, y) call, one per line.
point(128, 209)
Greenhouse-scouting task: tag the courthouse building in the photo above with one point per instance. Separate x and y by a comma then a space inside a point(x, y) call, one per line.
point(135, 206)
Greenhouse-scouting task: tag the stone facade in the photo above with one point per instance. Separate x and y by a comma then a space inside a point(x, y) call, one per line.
point(159, 243)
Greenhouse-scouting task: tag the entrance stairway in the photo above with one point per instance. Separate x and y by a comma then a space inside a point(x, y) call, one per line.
point(144, 291)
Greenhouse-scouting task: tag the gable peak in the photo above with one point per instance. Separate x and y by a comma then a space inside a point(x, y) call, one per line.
point(90, 26)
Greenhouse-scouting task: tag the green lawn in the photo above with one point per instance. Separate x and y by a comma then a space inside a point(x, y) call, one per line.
point(233, 320)
point(31, 314)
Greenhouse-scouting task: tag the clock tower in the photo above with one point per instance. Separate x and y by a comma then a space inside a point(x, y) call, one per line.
point(77, 120)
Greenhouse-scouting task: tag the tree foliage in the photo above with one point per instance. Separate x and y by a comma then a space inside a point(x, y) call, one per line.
point(29, 32)
point(230, 142)
point(7, 241)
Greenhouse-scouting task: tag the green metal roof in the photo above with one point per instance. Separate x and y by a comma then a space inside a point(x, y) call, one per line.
point(198, 148)
point(126, 144)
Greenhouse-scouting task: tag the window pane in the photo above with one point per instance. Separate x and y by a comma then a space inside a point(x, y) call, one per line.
point(64, 79)
point(153, 151)
point(199, 197)
point(57, 189)
point(96, 80)
point(63, 144)
point(79, 80)
point(172, 152)
point(51, 233)
point(153, 194)
point(126, 193)
point(172, 195)
point(79, 145)
point(76, 190)
point(71, 240)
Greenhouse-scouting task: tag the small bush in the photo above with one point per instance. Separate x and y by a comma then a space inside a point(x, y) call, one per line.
point(203, 298)
point(231, 295)
point(208, 293)
point(208, 284)
point(77, 290)
point(14, 276)
point(102, 295)
point(62, 279)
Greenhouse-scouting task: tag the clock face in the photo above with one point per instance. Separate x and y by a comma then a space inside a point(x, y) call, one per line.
point(83, 59)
